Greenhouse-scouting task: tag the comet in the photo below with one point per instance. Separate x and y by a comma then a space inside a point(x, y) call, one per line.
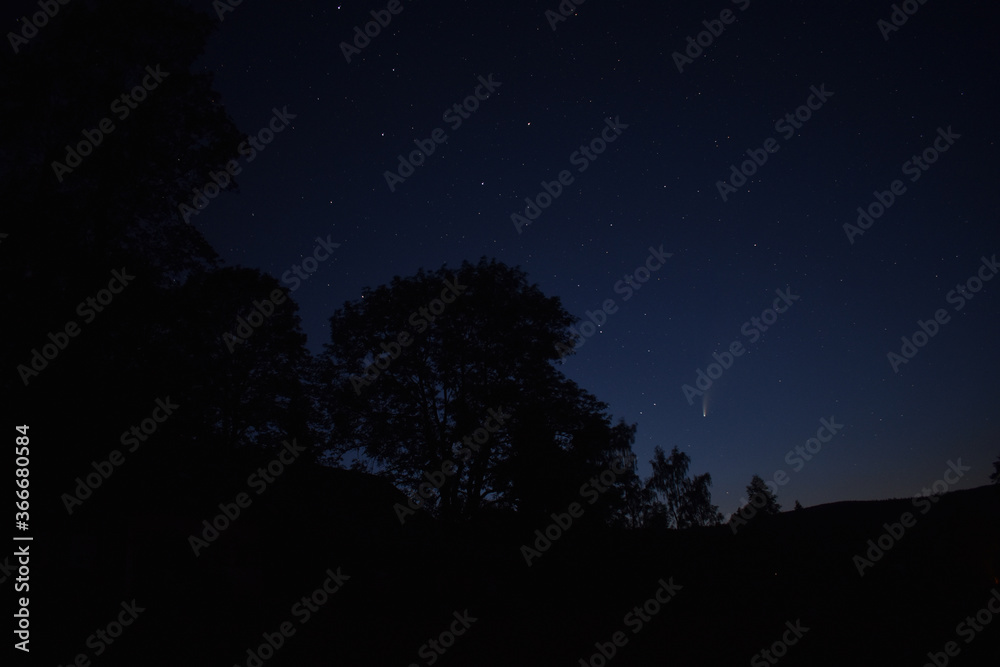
point(704, 405)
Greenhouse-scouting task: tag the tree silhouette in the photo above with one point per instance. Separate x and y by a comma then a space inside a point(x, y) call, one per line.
point(683, 502)
point(122, 200)
point(159, 341)
point(995, 475)
point(635, 508)
point(698, 509)
point(761, 498)
point(798, 506)
point(118, 208)
point(244, 383)
point(457, 368)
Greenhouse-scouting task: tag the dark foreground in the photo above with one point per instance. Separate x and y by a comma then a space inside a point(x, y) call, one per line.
point(789, 584)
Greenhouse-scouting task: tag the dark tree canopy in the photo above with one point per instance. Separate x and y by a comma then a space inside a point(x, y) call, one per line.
point(761, 497)
point(677, 500)
point(116, 213)
point(122, 200)
point(118, 208)
point(425, 368)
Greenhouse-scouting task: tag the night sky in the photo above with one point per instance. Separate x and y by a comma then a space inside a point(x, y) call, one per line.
point(882, 102)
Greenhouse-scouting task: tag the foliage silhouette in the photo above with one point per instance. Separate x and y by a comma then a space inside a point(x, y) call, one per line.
point(679, 501)
point(761, 497)
point(452, 346)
